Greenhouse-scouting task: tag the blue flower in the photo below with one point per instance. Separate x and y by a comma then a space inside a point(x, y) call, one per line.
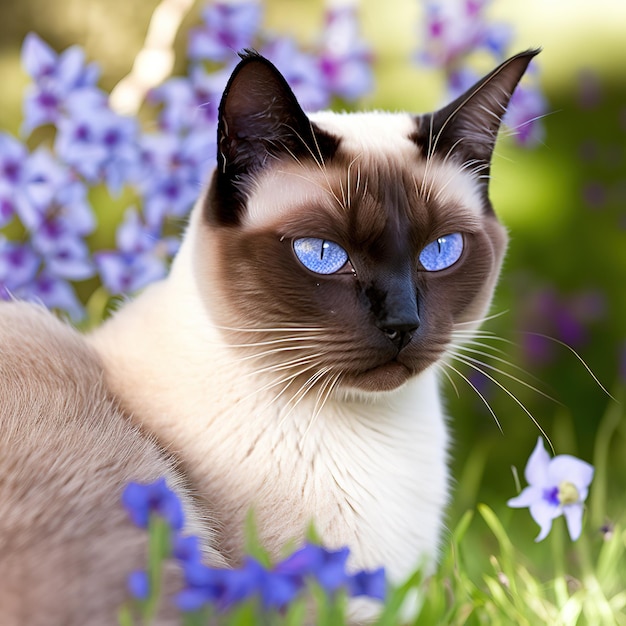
point(372, 584)
point(55, 77)
point(13, 155)
point(191, 103)
point(345, 59)
point(525, 111)
point(140, 258)
point(557, 486)
point(454, 28)
point(52, 292)
point(96, 142)
point(228, 27)
point(138, 584)
point(302, 71)
point(155, 498)
point(18, 267)
point(327, 567)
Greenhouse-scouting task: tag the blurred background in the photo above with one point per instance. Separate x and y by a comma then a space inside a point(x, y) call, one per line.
point(563, 201)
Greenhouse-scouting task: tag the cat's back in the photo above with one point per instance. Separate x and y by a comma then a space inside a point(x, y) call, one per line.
point(66, 452)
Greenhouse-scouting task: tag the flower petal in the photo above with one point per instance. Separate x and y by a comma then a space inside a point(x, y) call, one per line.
point(543, 513)
point(537, 467)
point(565, 467)
point(574, 517)
point(526, 497)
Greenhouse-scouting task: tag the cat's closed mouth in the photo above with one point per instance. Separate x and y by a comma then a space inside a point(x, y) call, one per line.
point(384, 377)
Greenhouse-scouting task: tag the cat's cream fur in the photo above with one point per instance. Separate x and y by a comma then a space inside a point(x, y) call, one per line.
point(276, 390)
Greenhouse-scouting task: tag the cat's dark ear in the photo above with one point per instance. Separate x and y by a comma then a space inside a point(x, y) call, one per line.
point(468, 126)
point(259, 120)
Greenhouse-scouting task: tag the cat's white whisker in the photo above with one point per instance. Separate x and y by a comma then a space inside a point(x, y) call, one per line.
point(274, 352)
point(325, 391)
point(440, 368)
point(575, 353)
point(278, 367)
point(501, 371)
point(465, 341)
point(270, 329)
point(474, 366)
point(303, 391)
point(478, 392)
point(482, 320)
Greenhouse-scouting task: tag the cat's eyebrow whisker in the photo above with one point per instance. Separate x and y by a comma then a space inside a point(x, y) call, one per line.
point(429, 154)
point(468, 165)
point(493, 368)
point(343, 195)
point(478, 392)
point(348, 181)
point(318, 158)
point(325, 188)
point(467, 362)
point(433, 179)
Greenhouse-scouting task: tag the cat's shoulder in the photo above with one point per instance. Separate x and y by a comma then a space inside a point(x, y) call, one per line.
point(37, 349)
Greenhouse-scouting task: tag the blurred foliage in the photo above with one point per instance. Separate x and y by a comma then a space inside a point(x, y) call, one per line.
point(563, 202)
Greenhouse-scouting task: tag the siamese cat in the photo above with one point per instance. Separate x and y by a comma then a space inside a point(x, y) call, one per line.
point(287, 365)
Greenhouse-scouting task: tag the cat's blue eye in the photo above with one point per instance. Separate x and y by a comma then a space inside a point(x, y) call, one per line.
point(320, 255)
point(442, 253)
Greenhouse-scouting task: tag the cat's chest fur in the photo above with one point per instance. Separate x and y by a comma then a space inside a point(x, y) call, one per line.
point(370, 472)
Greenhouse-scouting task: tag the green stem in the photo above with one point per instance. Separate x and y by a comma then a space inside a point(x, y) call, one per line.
point(158, 551)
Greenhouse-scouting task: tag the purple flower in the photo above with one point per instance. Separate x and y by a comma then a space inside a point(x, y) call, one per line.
point(186, 549)
point(18, 267)
point(54, 293)
point(302, 71)
point(157, 498)
point(138, 584)
point(327, 567)
point(557, 486)
point(371, 584)
point(454, 28)
point(228, 27)
point(50, 194)
point(99, 144)
point(345, 59)
point(190, 104)
point(13, 155)
point(140, 258)
point(174, 172)
point(220, 587)
point(55, 77)
point(526, 108)
point(566, 318)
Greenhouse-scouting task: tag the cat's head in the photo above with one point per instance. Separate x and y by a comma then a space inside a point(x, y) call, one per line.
point(344, 249)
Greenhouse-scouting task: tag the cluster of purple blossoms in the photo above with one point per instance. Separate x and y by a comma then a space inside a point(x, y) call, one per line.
point(221, 588)
point(564, 318)
point(45, 209)
point(453, 30)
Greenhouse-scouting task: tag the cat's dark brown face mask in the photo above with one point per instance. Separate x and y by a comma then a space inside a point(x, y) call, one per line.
point(343, 251)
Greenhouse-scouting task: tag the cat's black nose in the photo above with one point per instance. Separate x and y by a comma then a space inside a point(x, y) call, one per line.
point(400, 334)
